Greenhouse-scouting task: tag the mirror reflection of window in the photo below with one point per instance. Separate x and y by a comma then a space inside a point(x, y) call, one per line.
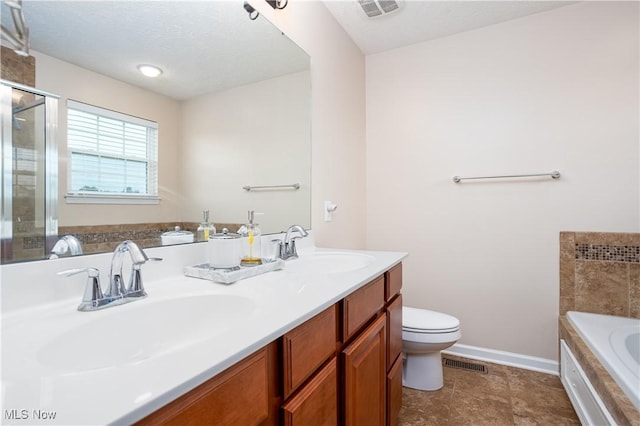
point(111, 153)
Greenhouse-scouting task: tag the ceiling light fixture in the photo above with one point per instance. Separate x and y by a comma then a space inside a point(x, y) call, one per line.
point(149, 70)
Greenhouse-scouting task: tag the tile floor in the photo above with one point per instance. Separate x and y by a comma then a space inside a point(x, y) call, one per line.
point(503, 396)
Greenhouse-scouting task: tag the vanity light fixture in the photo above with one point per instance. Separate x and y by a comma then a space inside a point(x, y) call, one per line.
point(253, 14)
point(278, 4)
point(149, 70)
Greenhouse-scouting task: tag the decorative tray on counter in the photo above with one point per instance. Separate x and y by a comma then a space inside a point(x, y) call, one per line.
point(229, 276)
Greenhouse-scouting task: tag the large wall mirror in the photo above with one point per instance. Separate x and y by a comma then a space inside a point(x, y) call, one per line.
point(232, 108)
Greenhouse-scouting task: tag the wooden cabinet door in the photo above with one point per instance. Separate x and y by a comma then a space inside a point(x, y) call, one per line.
point(365, 377)
point(394, 391)
point(317, 402)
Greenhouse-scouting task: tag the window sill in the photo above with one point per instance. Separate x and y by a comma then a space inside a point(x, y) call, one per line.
point(110, 199)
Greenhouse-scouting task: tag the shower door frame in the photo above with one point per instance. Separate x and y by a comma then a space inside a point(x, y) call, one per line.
point(50, 164)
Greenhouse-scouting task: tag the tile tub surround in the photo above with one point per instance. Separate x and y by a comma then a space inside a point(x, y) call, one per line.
point(600, 273)
point(611, 394)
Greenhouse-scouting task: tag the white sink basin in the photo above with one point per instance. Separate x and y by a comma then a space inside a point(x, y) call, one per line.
point(142, 331)
point(328, 262)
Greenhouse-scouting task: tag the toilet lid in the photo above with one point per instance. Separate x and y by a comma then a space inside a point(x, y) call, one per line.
point(424, 320)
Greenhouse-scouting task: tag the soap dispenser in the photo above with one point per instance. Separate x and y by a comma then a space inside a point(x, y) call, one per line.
point(205, 229)
point(251, 242)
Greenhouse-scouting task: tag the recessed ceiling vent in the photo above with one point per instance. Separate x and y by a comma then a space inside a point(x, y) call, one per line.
point(375, 8)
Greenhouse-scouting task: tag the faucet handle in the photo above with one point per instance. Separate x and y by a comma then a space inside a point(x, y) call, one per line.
point(93, 272)
point(93, 297)
point(135, 287)
point(293, 252)
point(278, 247)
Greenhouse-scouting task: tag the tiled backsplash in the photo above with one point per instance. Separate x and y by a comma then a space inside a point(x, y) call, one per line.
point(101, 238)
point(17, 68)
point(600, 273)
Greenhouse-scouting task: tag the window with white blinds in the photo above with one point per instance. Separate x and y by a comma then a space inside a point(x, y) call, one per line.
point(111, 154)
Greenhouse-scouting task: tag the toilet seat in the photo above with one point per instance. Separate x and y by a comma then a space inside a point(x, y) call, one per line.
point(423, 321)
point(431, 338)
point(420, 331)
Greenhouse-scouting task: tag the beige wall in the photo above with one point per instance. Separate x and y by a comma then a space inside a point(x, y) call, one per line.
point(552, 91)
point(72, 82)
point(257, 134)
point(337, 117)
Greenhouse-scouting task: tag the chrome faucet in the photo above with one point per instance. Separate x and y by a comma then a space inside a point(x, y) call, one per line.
point(135, 289)
point(287, 249)
point(117, 293)
point(67, 245)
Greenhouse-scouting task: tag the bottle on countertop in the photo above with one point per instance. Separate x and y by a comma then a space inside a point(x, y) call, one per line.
point(251, 241)
point(205, 228)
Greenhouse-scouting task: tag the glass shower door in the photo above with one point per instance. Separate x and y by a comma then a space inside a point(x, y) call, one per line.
point(29, 173)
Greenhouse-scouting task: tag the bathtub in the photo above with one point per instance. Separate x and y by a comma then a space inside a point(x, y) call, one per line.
point(615, 341)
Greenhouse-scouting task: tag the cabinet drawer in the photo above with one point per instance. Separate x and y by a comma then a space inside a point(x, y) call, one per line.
point(307, 347)
point(394, 330)
point(361, 305)
point(239, 395)
point(393, 282)
point(317, 402)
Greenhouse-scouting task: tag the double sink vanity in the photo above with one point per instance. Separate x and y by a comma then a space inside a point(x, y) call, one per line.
point(317, 342)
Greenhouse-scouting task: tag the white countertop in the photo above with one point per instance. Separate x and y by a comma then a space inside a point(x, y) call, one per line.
point(122, 394)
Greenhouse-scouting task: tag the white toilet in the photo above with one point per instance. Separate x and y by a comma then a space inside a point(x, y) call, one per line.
point(424, 334)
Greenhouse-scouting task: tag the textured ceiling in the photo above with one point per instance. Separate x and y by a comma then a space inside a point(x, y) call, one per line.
point(202, 46)
point(416, 21)
point(207, 46)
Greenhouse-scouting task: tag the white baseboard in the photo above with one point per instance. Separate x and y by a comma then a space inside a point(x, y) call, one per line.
point(505, 358)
